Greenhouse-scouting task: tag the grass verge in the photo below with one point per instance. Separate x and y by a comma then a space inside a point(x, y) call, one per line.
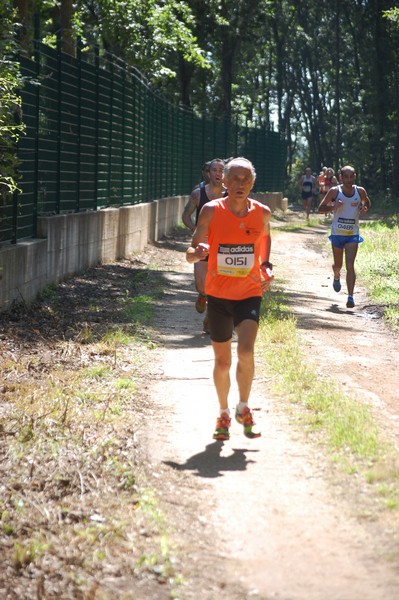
point(378, 265)
point(78, 515)
point(345, 427)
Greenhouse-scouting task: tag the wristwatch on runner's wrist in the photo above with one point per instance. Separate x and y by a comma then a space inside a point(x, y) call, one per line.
point(267, 264)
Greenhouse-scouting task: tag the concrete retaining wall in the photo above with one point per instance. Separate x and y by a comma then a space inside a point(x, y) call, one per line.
point(69, 244)
point(274, 200)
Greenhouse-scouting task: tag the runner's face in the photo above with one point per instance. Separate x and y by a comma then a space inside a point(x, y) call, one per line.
point(216, 174)
point(348, 177)
point(205, 174)
point(239, 182)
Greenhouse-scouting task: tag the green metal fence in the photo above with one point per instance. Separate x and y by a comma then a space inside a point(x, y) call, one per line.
point(98, 135)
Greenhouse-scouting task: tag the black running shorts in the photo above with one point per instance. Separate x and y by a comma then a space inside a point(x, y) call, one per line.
point(225, 315)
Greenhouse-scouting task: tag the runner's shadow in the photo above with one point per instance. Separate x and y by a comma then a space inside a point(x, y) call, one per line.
point(210, 463)
point(334, 308)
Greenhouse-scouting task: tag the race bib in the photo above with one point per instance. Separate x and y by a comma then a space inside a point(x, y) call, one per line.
point(235, 260)
point(345, 226)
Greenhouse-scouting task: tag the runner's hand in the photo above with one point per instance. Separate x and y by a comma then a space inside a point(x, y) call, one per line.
point(267, 277)
point(202, 250)
point(336, 205)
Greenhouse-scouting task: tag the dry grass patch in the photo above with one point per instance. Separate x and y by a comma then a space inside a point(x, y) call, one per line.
point(78, 516)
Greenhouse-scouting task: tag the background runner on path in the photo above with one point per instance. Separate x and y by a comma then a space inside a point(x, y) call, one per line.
point(347, 201)
point(199, 196)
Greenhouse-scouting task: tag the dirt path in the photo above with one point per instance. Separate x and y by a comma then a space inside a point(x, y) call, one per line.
point(271, 518)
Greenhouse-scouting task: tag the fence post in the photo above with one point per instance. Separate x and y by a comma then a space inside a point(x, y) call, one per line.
point(135, 136)
point(123, 130)
point(192, 145)
point(236, 138)
point(14, 226)
point(59, 129)
point(255, 153)
point(79, 141)
point(227, 128)
point(149, 130)
point(214, 136)
point(110, 113)
point(246, 137)
point(203, 131)
point(36, 46)
point(96, 123)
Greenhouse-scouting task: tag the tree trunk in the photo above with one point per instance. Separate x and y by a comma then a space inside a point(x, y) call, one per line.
point(231, 37)
point(228, 53)
point(338, 139)
point(67, 38)
point(186, 71)
point(25, 10)
point(381, 109)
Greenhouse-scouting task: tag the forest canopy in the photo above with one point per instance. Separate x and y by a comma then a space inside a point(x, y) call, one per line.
point(324, 73)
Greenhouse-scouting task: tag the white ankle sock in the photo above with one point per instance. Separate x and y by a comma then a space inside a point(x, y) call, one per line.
point(225, 410)
point(241, 406)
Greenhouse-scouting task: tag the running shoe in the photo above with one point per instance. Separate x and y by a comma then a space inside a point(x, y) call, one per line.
point(337, 285)
point(222, 427)
point(350, 302)
point(200, 303)
point(245, 419)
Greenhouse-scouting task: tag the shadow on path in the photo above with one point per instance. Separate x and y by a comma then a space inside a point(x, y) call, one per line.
point(210, 463)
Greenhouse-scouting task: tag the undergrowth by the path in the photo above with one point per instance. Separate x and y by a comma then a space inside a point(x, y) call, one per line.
point(78, 516)
point(346, 426)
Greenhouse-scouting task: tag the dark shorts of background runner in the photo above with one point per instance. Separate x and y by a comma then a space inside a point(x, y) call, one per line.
point(306, 195)
point(339, 241)
point(224, 315)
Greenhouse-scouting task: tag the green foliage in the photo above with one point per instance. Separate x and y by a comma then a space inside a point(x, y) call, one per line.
point(138, 308)
point(324, 74)
point(148, 34)
point(378, 265)
point(347, 427)
point(10, 104)
point(392, 15)
point(346, 424)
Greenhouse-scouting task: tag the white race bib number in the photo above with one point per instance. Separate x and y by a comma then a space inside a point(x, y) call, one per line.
point(346, 226)
point(235, 260)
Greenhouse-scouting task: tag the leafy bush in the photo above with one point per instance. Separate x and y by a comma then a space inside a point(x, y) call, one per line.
point(10, 101)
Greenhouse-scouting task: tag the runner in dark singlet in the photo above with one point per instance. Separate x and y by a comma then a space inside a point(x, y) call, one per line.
point(307, 184)
point(198, 197)
point(205, 174)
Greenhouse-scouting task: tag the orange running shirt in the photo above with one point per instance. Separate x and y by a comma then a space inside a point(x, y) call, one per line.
point(233, 263)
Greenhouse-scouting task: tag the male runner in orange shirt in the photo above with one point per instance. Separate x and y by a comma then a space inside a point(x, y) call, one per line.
point(234, 232)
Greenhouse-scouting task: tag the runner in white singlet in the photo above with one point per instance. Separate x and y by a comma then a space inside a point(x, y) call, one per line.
point(346, 201)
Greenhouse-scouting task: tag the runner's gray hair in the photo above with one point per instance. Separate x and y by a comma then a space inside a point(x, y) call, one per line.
point(239, 161)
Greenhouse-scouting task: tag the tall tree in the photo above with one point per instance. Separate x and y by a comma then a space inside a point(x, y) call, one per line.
point(148, 34)
point(24, 14)
point(325, 72)
point(392, 15)
point(68, 38)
